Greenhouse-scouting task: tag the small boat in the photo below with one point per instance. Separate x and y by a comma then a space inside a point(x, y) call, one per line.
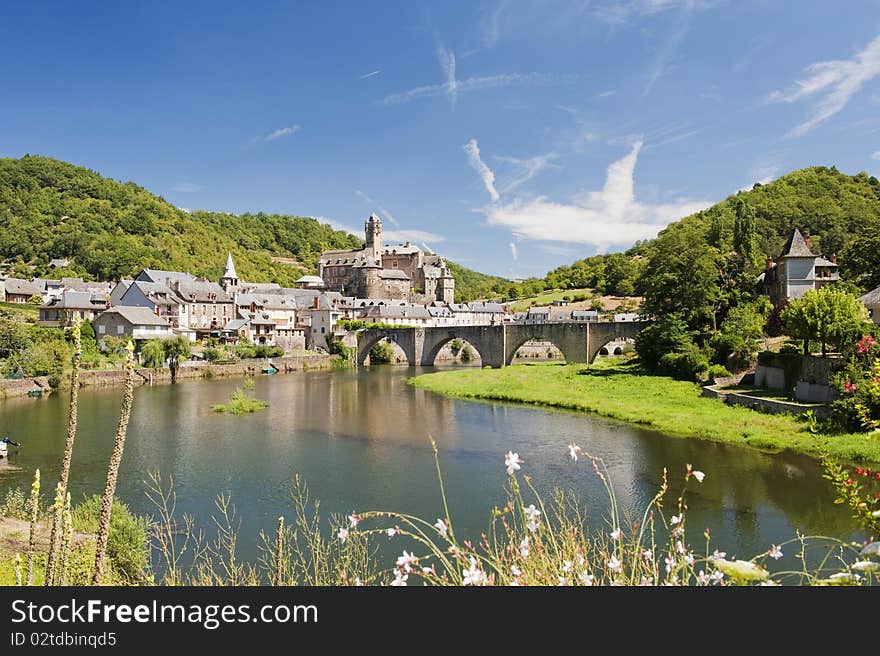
point(4, 446)
point(36, 392)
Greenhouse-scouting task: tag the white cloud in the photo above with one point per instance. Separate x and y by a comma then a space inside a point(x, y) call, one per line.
point(763, 171)
point(478, 165)
point(492, 26)
point(875, 154)
point(605, 94)
point(668, 48)
point(609, 216)
point(526, 169)
point(712, 95)
point(838, 81)
point(399, 236)
point(388, 216)
point(620, 13)
point(475, 84)
point(277, 134)
point(187, 187)
point(282, 132)
point(371, 74)
point(513, 252)
point(339, 225)
point(447, 63)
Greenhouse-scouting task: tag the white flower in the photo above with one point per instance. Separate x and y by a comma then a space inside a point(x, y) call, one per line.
point(566, 566)
point(516, 571)
point(512, 462)
point(358, 582)
point(533, 515)
point(473, 575)
point(399, 578)
point(616, 534)
point(670, 563)
point(703, 578)
point(573, 451)
point(679, 547)
point(614, 564)
point(353, 520)
point(719, 554)
point(647, 580)
point(391, 532)
point(768, 583)
point(676, 519)
point(689, 559)
point(678, 531)
point(441, 527)
point(514, 583)
point(524, 548)
point(585, 578)
point(428, 570)
point(775, 552)
point(342, 535)
point(864, 565)
point(562, 580)
point(717, 576)
point(698, 475)
point(406, 561)
point(455, 551)
point(647, 554)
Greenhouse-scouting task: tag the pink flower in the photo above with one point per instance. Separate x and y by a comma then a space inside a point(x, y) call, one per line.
point(512, 462)
point(848, 386)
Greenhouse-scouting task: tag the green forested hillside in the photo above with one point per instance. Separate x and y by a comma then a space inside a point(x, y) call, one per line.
point(840, 213)
point(51, 209)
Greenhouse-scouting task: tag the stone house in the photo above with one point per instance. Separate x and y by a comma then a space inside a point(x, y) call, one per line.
point(138, 323)
point(60, 312)
point(797, 270)
point(156, 296)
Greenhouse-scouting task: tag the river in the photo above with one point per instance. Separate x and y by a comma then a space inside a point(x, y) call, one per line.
point(360, 439)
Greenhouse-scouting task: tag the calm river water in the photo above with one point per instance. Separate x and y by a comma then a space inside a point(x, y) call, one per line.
point(359, 437)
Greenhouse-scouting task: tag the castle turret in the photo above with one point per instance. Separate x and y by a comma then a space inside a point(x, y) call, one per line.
point(229, 279)
point(373, 234)
point(446, 285)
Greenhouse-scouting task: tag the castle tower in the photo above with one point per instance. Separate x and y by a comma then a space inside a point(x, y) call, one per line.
point(446, 286)
point(373, 234)
point(229, 279)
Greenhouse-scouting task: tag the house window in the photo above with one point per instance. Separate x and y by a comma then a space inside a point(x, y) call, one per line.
point(102, 329)
point(322, 330)
point(120, 330)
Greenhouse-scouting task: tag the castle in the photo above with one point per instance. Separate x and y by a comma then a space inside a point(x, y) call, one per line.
point(402, 272)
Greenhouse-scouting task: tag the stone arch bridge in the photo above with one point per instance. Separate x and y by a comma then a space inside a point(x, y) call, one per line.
point(497, 345)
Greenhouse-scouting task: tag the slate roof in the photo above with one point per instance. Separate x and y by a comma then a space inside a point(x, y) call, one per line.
point(871, 298)
point(158, 275)
point(137, 315)
point(393, 274)
point(19, 286)
point(77, 301)
point(796, 245)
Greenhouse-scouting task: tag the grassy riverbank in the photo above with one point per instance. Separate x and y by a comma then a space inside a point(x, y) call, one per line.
point(622, 391)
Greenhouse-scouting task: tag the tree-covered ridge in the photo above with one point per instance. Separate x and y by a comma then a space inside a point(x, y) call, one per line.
point(840, 213)
point(52, 209)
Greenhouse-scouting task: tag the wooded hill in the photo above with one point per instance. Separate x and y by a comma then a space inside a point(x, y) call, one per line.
point(53, 209)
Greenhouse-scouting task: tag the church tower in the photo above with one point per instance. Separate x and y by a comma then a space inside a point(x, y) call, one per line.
point(229, 279)
point(373, 231)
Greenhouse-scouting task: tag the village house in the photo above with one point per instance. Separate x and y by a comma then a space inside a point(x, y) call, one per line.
point(872, 302)
point(797, 270)
point(17, 290)
point(138, 323)
point(318, 317)
point(61, 312)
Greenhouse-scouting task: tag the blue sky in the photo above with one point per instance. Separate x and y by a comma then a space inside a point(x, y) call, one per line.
point(509, 136)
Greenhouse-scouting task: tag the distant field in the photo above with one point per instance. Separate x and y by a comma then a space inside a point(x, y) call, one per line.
point(548, 297)
point(28, 311)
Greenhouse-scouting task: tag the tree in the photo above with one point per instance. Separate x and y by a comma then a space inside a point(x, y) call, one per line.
point(745, 241)
point(153, 354)
point(860, 261)
point(743, 328)
point(827, 315)
point(176, 348)
point(13, 337)
point(36, 299)
point(666, 336)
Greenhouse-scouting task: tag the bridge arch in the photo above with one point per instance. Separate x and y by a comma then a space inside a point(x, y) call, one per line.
point(429, 355)
point(404, 338)
point(569, 338)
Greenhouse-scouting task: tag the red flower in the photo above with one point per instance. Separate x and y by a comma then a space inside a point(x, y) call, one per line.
point(850, 481)
point(877, 496)
point(859, 471)
point(848, 386)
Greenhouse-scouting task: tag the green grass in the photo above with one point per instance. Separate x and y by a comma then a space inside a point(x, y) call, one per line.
point(240, 404)
point(26, 310)
point(622, 391)
point(548, 297)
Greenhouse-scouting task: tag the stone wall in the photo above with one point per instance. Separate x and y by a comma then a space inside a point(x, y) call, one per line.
point(108, 377)
point(770, 377)
point(767, 406)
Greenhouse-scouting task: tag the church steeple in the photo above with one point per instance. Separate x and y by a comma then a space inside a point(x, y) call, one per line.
point(230, 277)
